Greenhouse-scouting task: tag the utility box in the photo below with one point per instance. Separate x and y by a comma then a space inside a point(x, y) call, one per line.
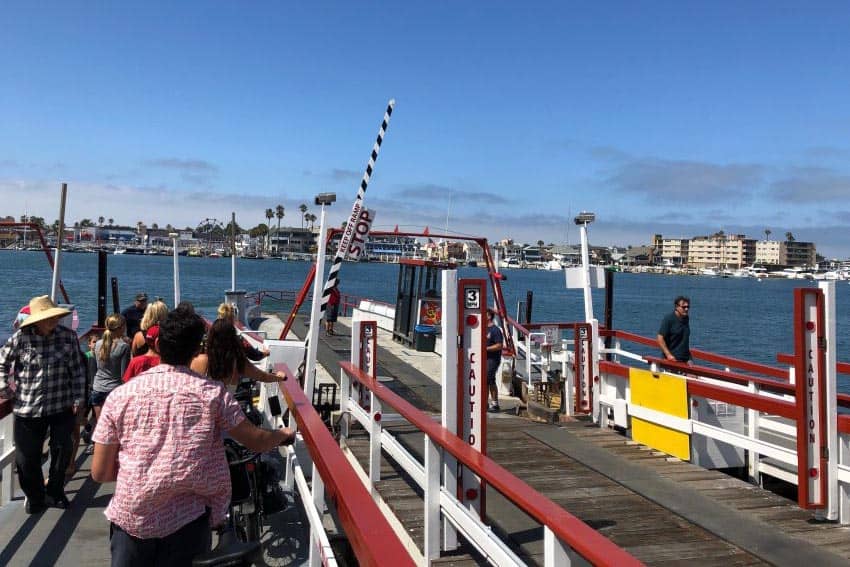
point(425, 337)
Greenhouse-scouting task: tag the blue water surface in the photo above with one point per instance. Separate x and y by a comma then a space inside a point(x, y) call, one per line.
point(739, 317)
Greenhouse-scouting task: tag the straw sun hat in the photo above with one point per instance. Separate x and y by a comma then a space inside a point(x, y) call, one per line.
point(41, 308)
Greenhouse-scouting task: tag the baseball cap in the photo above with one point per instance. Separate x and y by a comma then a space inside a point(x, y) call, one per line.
point(141, 296)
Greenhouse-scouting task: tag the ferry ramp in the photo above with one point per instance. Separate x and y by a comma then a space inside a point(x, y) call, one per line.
point(661, 510)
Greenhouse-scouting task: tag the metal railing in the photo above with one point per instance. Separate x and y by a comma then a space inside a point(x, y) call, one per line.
point(565, 536)
point(335, 483)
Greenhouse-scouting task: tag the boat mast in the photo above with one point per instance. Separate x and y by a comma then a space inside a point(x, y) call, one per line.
point(56, 264)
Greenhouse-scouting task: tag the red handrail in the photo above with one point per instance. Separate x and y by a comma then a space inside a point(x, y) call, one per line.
point(586, 541)
point(844, 423)
point(372, 538)
point(840, 367)
point(706, 355)
point(742, 379)
point(744, 399)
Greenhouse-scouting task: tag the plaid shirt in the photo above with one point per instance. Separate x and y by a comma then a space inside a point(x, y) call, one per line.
point(48, 372)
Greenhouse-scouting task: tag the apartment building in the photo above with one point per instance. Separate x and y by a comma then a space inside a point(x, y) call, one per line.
point(770, 252)
point(800, 253)
point(721, 251)
point(670, 251)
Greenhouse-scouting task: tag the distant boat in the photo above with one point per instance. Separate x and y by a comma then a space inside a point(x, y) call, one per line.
point(707, 272)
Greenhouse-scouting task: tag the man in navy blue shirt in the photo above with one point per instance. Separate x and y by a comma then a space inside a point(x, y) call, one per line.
point(674, 334)
point(494, 357)
point(133, 314)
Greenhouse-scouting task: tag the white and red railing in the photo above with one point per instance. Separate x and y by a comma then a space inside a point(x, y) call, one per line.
point(565, 536)
point(335, 483)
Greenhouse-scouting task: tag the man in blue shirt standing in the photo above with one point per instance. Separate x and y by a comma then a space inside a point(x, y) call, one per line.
point(494, 357)
point(674, 335)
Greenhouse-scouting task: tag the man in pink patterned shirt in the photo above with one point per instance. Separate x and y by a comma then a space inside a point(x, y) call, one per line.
point(160, 437)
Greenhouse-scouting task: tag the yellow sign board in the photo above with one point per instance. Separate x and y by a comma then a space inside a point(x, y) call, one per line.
point(666, 394)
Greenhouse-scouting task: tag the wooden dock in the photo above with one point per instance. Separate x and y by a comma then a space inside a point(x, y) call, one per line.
point(661, 510)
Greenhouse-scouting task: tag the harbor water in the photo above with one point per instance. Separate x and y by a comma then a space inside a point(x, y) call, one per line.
point(739, 317)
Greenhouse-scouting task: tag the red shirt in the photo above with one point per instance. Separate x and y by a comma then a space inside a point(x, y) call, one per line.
point(139, 364)
point(169, 424)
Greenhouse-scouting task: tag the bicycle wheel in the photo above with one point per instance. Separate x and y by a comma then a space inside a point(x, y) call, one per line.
point(253, 526)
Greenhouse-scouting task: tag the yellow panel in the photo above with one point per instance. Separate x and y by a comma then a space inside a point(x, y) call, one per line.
point(662, 438)
point(663, 393)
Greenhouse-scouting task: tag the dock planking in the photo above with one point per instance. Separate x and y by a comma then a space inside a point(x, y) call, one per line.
point(661, 524)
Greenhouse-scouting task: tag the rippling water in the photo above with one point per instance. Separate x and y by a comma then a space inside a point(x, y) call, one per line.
point(738, 317)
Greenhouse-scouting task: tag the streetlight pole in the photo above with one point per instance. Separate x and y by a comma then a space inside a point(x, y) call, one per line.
point(322, 199)
point(174, 236)
point(583, 219)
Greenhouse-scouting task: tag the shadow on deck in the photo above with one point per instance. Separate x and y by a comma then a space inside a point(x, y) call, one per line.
point(80, 534)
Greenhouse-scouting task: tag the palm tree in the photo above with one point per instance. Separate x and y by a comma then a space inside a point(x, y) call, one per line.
point(303, 208)
point(279, 214)
point(269, 216)
point(767, 233)
point(111, 222)
point(311, 218)
point(789, 237)
point(100, 221)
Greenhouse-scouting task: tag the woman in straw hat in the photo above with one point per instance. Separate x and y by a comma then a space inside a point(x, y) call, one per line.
point(49, 388)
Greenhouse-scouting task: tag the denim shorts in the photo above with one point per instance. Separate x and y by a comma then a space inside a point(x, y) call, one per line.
point(97, 398)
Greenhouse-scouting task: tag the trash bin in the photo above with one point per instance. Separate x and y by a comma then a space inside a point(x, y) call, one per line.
point(425, 337)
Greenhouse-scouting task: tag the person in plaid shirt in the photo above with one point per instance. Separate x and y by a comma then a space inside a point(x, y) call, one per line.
point(41, 367)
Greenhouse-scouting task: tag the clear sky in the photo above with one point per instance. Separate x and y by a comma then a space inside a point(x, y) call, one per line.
point(680, 118)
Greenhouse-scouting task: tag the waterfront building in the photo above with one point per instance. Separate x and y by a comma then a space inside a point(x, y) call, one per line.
point(670, 251)
point(770, 252)
point(292, 239)
point(790, 253)
point(721, 250)
point(800, 253)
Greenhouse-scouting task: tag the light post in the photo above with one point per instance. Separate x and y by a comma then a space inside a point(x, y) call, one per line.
point(322, 200)
point(174, 236)
point(582, 220)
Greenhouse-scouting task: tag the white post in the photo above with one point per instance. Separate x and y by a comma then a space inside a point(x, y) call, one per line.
point(56, 261)
point(233, 252)
point(315, 311)
point(174, 237)
point(432, 500)
point(831, 409)
point(585, 264)
point(449, 353)
point(318, 491)
point(374, 443)
point(753, 434)
point(555, 553)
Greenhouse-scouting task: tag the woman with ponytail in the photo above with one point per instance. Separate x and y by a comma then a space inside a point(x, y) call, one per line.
point(112, 354)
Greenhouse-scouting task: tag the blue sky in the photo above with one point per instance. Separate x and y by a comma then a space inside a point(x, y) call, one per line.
point(682, 118)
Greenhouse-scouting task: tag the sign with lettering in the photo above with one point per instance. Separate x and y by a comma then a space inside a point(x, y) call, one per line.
point(809, 368)
point(430, 311)
point(583, 367)
point(365, 354)
point(472, 383)
point(551, 334)
point(355, 239)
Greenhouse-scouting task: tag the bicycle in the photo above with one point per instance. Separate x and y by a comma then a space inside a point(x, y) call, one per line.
point(251, 485)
